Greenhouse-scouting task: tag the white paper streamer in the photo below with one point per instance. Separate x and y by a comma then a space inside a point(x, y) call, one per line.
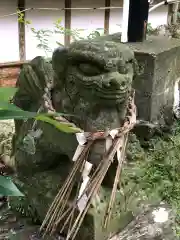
point(81, 138)
point(78, 152)
point(82, 202)
point(113, 133)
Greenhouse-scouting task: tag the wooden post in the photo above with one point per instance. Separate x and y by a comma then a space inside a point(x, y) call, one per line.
point(21, 30)
point(172, 13)
point(67, 37)
point(107, 16)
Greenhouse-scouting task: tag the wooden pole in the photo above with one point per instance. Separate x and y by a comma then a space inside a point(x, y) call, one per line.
point(21, 30)
point(107, 16)
point(172, 13)
point(67, 37)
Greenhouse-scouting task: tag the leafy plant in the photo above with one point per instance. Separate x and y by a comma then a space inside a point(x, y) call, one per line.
point(44, 35)
point(8, 188)
point(153, 175)
point(10, 111)
point(173, 30)
point(21, 18)
point(153, 31)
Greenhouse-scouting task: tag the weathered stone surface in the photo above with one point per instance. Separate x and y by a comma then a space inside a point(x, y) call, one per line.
point(159, 62)
point(154, 223)
point(92, 80)
point(7, 130)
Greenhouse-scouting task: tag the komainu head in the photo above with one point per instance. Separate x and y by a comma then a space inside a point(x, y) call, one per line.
point(98, 70)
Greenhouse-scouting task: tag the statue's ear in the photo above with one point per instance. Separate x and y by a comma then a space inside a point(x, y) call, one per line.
point(59, 60)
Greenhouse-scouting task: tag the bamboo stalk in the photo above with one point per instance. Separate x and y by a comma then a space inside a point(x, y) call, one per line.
point(79, 221)
point(115, 185)
point(57, 221)
point(60, 195)
point(96, 184)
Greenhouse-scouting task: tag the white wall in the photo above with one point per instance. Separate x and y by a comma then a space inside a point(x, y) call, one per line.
point(42, 20)
point(9, 50)
point(158, 17)
point(86, 19)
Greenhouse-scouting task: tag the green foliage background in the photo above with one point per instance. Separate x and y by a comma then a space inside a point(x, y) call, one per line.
point(153, 175)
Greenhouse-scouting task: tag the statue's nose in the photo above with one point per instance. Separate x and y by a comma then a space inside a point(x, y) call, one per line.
point(113, 83)
point(111, 80)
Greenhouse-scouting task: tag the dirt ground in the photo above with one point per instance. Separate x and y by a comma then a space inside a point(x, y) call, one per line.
point(16, 228)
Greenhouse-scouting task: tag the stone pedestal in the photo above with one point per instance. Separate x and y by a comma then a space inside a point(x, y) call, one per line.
point(159, 62)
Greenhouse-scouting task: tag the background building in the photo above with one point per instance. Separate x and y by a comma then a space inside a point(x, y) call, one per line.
point(83, 19)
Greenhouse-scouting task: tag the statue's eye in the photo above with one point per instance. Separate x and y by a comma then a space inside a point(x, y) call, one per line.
point(89, 69)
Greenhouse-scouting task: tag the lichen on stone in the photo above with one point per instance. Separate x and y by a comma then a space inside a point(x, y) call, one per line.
point(6, 134)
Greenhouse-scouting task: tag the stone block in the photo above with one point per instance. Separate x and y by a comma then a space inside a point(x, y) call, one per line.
point(159, 63)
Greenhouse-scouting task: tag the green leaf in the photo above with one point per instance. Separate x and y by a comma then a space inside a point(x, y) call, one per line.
point(14, 114)
point(97, 33)
point(8, 188)
point(100, 29)
point(28, 22)
point(8, 106)
point(58, 21)
point(81, 29)
point(60, 44)
point(33, 29)
point(64, 127)
point(6, 93)
point(58, 32)
point(10, 111)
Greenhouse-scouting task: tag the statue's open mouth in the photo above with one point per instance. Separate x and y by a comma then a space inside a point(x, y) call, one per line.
point(102, 87)
point(103, 93)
